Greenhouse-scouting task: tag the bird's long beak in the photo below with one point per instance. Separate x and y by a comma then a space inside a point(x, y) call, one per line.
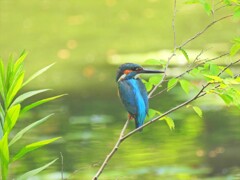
point(148, 71)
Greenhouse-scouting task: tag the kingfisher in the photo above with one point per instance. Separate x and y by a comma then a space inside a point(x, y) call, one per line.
point(132, 91)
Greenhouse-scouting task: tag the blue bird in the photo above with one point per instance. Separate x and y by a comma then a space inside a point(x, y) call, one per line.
point(132, 91)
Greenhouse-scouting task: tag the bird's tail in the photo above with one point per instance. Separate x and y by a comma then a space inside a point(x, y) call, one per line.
point(138, 123)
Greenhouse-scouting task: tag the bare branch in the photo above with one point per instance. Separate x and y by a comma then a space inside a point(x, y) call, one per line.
point(115, 148)
point(202, 31)
point(190, 69)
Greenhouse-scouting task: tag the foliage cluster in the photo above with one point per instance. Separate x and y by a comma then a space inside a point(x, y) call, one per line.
point(11, 110)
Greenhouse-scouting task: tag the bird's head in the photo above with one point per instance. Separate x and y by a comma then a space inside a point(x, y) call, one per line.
point(130, 70)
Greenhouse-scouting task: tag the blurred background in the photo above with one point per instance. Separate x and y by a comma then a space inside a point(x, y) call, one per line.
point(88, 40)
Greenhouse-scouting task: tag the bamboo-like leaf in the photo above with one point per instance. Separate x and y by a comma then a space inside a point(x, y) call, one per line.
point(26, 129)
point(4, 156)
point(2, 80)
point(198, 111)
point(171, 83)
point(2, 115)
point(185, 85)
point(32, 147)
point(38, 103)
point(15, 87)
point(11, 118)
point(9, 73)
point(37, 74)
point(35, 171)
point(19, 62)
point(27, 95)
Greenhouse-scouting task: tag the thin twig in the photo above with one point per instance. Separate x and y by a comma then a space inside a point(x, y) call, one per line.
point(61, 165)
point(202, 31)
point(115, 148)
point(189, 70)
point(172, 55)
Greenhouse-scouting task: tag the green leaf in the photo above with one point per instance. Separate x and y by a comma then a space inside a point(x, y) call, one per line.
point(4, 156)
point(38, 103)
point(228, 70)
point(185, 54)
point(234, 49)
point(26, 129)
point(32, 147)
point(9, 77)
point(148, 86)
point(19, 61)
point(207, 8)
point(2, 80)
point(27, 95)
point(154, 80)
point(236, 13)
point(231, 81)
point(214, 69)
point(185, 85)
point(198, 111)
point(226, 98)
point(204, 3)
point(35, 171)
point(38, 73)
point(169, 122)
point(214, 78)
point(11, 118)
point(171, 83)
point(2, 115)
point(14, 88)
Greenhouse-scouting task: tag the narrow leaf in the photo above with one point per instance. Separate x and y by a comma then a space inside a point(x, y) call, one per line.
point(35, 171)
point(171, 83)
point(185, 85)
point(4, 156)
point(169, 122)
point(38, 103)
point(19, 62)
point(9, 77)
point(2, 115)
point(215, 78)
point(38, 73)
point(27, 95)
point(2, 80)
point(185, 54)
point(11, 118)
point(32, 147)
point(234, 49)
point(15, 87)
point(198, 111)
point(26, 129)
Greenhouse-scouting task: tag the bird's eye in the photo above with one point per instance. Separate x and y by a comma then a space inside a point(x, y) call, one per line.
point(138, 69)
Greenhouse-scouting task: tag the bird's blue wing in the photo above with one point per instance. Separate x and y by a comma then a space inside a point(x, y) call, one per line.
point(144, 94)
point(127, 96)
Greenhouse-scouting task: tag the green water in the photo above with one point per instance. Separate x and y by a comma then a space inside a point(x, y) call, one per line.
point(83, 37)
